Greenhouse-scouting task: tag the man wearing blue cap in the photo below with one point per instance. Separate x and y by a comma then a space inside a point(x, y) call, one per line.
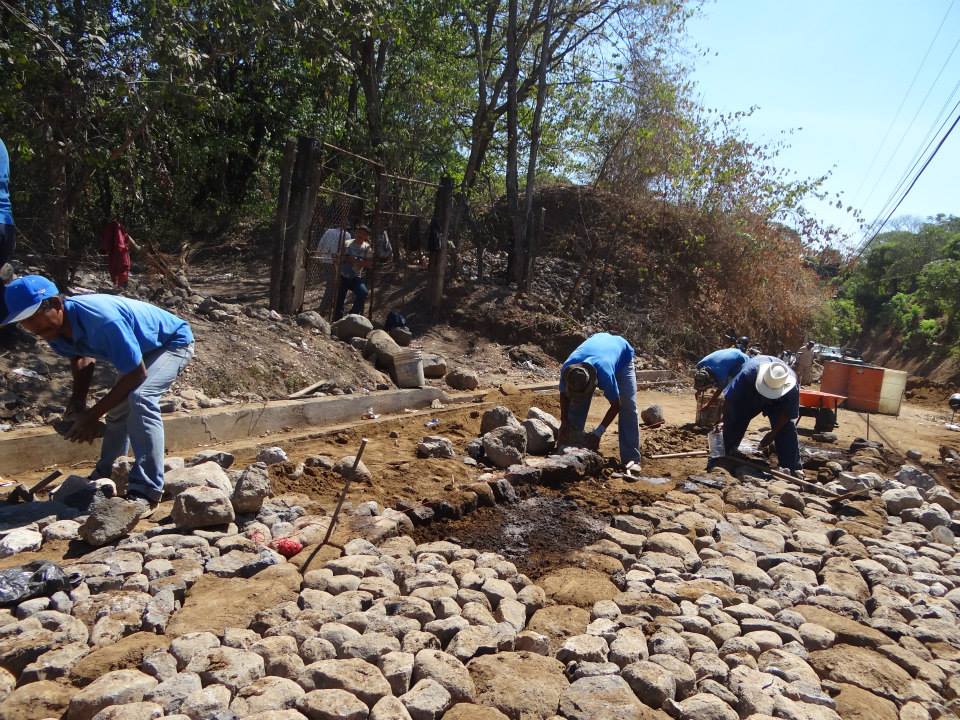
point(605, 361)
point(716, 370)
point(149, 348)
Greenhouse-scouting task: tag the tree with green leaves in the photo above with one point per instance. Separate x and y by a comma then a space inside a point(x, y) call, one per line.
point(908, 282)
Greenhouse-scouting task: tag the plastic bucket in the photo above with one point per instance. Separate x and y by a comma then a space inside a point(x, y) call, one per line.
point(408, 369)
point(715, 443)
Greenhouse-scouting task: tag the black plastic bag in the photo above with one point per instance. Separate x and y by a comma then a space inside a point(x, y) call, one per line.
point(394, 320)
point(35, 579)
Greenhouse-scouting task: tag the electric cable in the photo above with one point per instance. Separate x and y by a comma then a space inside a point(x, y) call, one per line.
point(930, 140)
point(903, 101)
point(941, 119)
point(906, 132)
point(903, 197)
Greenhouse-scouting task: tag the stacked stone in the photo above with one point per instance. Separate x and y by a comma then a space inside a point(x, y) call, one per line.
point(723, 599)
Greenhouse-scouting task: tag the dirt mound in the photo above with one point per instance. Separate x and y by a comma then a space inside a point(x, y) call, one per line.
point(672, 439)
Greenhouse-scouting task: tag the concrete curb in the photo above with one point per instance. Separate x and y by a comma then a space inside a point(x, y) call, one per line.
point(26, 450)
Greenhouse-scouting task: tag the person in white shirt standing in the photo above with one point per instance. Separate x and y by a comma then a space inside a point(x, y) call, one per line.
point(355, 261)
point(326, 253)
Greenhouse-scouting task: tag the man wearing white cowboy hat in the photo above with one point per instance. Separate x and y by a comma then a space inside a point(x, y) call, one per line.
point(605, 361)
point(764, 385)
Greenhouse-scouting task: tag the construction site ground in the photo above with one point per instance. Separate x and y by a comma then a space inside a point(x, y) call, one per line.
point(553, 522)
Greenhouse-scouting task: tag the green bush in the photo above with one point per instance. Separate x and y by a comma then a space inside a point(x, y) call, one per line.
point(837, 322)
point(929, 330)
point(903, 313)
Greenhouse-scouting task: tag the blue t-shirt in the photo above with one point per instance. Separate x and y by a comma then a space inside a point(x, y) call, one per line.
point(119, 330)
point(743, 400)
point(724, 365)
point(608, 354)
point(6, 209)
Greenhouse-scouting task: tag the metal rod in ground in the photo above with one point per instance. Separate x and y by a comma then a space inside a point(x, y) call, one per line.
point(346, 489)
point(689, 453)
point(783, 476)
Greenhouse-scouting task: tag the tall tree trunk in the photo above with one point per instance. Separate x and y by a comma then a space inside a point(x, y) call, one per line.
point(58, 219)
point(535, 133)
point(513, 191)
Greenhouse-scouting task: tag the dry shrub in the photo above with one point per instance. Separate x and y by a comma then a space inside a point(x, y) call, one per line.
point(673, 279)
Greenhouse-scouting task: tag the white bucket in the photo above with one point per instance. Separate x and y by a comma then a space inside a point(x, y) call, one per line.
point(408, 369)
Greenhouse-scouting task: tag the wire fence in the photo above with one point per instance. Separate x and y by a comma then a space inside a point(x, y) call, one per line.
point(355, 193)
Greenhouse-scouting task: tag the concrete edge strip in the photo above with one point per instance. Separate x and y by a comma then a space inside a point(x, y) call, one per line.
point(34, 448)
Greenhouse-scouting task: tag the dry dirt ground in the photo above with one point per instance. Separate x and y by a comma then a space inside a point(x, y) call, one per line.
point(545, 535)
point(554, 521)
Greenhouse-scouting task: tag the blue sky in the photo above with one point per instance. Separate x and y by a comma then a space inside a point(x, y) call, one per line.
point(839, 69)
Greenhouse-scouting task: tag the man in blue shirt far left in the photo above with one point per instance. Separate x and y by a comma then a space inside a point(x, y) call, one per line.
point(8, 233)
point(148, 346)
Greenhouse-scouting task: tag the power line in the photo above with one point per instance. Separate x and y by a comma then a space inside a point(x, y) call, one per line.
point(912, 121)
point(929, 139)
point(903, 197)
point(941, 119)
point(896, 115)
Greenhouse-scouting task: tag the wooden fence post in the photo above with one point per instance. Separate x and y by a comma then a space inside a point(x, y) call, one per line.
point(305, 181)
point(280, 222)
point(376, 227)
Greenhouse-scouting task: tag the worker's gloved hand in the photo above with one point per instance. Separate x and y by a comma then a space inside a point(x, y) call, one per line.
point(592, 439)
point(86, 428)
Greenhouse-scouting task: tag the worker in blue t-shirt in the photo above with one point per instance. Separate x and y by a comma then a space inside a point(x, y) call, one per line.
point(605, 361)
point(764, 385)
point(717, 370)
point(149, 348)
point(8, 235)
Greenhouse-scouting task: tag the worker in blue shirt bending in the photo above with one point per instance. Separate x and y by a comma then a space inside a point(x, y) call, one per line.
point(765, 384)
point(717, 370)
point(605, 361)
point(149, 348)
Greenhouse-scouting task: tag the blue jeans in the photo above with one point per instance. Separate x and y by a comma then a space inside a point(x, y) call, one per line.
point(786, 441)
point(360, 292)
point(138, 419)
point(628, 421)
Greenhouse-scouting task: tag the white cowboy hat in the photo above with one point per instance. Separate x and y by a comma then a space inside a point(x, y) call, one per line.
point(775, 379)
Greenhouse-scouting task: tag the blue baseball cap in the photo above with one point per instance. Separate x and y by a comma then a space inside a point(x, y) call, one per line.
point(24, 296)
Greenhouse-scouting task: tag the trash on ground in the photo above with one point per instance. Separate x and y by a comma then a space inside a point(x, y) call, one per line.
point(35, 579)
point(24, 372)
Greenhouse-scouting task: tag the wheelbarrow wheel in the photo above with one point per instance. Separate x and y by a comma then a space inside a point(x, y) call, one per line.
point(826, 420)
